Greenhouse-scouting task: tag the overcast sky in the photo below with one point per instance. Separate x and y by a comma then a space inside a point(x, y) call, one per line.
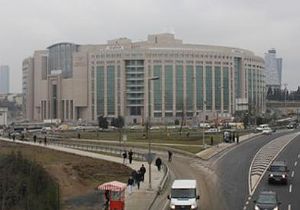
point(257, 25)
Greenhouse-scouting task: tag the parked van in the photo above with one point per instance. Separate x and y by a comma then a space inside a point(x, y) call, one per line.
point(184, 194)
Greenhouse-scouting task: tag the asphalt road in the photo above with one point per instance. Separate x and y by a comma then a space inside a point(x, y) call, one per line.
point(232, 170)
point(288, 194)
point(183, 167)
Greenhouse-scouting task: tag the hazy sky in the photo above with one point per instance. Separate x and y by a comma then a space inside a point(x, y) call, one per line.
point(257, 25)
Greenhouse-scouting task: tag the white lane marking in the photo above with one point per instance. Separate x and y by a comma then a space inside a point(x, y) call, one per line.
point(298, 155)
point(290, 190)
point(249, 198)
point(296, 163)
point(244, 208)
point(247, 203)
point(289, 207)
point(293, 172)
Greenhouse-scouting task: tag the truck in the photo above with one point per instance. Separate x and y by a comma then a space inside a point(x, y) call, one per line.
point(184, 195)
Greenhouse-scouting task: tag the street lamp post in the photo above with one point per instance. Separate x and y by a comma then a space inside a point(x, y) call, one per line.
point(203, 133)
point(148, 128)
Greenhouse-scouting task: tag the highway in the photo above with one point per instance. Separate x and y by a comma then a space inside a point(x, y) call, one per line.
point(232, 171)
point(288, 194)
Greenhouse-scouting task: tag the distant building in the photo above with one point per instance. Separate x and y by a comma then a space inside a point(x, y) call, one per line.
point(273, 67)
point(4, 79)
point(161, 78)
point(3, 116)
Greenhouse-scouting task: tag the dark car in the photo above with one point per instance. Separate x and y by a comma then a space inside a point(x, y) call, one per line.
point(292, 125)
point(278, 172)
point(267, 200)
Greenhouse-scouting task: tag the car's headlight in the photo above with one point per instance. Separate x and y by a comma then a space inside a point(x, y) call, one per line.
point(271, 175)
point(283, 175)
point(256, 208)
point(172, 206)
point(276, 208)
point(193, 206)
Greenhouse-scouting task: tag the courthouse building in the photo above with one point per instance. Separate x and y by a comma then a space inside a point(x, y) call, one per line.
point(161, 78)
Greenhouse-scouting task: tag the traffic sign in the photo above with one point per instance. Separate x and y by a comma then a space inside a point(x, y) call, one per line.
point(149, 157)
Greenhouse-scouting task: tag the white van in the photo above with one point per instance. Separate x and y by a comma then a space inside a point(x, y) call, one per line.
point(184, 194)
point(262, 127)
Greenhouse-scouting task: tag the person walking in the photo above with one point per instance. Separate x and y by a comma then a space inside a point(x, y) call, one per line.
point(170, 154)
point(143, 171)
point(34, 138)
point(45, 140)
point(107, 198)
point(130, 184)
point(124, 156)
point(233, 137)
point(158, 163)
point(138, 178)
point(13, 137)
point(130, 154)
point(237, 139)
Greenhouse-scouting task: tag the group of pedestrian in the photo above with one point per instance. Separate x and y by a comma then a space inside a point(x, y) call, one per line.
point(231, 137)
point(130, 157)
point(137, 176)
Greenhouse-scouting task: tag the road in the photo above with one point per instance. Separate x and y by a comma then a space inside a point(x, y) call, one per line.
point(232, 170)
point(288, 194)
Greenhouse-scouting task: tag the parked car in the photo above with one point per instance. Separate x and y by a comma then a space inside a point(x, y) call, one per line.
point(267, 200)
point(278, 172)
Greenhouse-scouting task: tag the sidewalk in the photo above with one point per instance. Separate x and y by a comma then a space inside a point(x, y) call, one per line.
point(140, 199)
point(212, 151)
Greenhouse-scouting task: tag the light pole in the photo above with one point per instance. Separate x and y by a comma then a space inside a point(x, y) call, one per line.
point(148, 128)
point(203, 133)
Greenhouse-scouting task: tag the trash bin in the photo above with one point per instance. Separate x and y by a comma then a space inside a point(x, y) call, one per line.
point(116, 194)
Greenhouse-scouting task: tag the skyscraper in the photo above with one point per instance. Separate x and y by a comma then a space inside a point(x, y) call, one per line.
point(4, 79)
point(273, 67)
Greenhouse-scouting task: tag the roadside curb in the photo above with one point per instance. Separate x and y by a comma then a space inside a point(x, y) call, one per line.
point(213, 151)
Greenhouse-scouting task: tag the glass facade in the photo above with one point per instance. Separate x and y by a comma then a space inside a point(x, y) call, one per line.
point(218, 88)
point(208, 86)
point(100, 90)
point(168, 88)
point(237, 76)
point(199, 87)
point(111, 90)
point(60, 58)
point(225, 88)
point(157, 88)
point(179, 88)
point(190, 80)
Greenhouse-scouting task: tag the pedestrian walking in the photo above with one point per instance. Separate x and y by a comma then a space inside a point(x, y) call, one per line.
point(138, 179)
point(134, 175)
point(124, 156)
point(9, 135)
point(237, 139)
point(130, 154)
point(158, 163)
point(211, 140)
point(45, 140)
point(233, 137)
point(78, 135)
point(170, 154)
point(130, 184)
point(34, 138)
point(22, 136)
point(107, 198)
point(143, 171)
point(13, 137)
